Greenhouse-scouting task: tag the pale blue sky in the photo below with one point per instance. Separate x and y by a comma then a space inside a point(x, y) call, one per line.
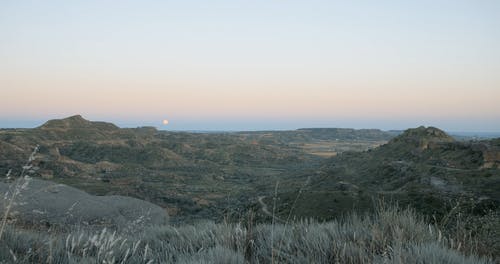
point(252, 64)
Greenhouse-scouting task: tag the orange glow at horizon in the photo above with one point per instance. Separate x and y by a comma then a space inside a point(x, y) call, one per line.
point(258, 60)
point(206, 98)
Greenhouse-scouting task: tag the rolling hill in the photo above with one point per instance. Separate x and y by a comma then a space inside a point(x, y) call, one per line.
point(422, 167)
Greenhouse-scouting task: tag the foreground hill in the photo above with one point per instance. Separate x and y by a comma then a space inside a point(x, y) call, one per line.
point(44, 204)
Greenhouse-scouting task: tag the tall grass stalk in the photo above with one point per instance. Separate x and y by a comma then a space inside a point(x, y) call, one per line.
point(20, 184)
point(290, 214)
point(275, 197)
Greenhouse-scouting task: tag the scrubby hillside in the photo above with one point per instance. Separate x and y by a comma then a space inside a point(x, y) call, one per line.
point(193, 175)
point(423, 167)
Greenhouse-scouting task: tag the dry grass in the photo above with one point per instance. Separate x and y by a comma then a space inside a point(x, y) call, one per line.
point(18, 186)
point(391, 235)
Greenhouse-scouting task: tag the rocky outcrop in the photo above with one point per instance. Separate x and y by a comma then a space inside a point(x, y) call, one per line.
point(422, 137)
point(75, 128)
point(46, 203)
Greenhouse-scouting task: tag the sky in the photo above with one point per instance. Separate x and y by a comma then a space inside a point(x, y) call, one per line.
point(252, 65)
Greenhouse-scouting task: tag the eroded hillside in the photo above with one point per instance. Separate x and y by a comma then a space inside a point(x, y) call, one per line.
point(193, 175)
point(214, 175)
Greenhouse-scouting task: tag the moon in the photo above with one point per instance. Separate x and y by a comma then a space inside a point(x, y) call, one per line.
point(165, 122)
